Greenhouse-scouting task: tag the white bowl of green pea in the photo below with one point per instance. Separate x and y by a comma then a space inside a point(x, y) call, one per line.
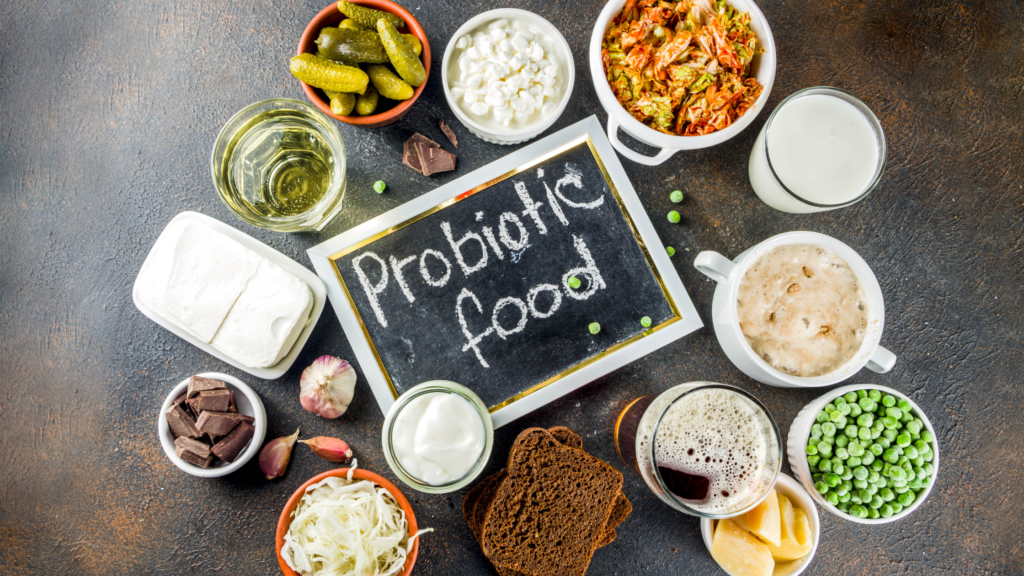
point(846, 447)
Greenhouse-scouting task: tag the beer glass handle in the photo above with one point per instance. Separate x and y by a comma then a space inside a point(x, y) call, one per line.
point(714, 266)
point(881, 361)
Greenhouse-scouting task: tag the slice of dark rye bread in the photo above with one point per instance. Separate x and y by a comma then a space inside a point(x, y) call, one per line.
point(549, 514)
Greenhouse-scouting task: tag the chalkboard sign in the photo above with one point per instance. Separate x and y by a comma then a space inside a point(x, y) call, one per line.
point(493, 280)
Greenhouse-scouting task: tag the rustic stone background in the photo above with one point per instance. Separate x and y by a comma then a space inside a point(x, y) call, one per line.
point(108, 112)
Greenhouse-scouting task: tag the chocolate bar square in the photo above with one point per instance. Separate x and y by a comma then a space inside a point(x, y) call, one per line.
point(197, 384)
point(212, 400)
point(181, 423)
point(232, 445)
point(218, 423)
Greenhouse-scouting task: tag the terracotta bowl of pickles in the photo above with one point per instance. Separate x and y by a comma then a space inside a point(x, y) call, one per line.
point(394, 77)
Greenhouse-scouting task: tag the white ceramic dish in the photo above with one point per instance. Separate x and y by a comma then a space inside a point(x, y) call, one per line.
point(801, 430)
point(316, 287)
point(762, 68)
point(728, 274)
point(801, 499)
point(248, 403)
point(561, 51)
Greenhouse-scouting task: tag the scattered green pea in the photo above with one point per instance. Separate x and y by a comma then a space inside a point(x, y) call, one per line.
point(379, 186)
point(645, 321)
point(594, 327)
point(676, 196)
point(671, 251)
point(888, 400)
point(573, 282)
point(875, 395)
point(674, 217)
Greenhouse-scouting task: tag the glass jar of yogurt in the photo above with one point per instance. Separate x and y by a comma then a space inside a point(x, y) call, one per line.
point(438, 436)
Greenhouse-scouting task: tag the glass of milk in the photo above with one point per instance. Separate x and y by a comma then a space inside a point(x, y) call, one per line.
point(821, 149)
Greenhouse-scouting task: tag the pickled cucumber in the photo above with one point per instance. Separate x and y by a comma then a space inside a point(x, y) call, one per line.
point(389, 85)
point(402, 55)
point(413, 41)
point(351, 25)
point(327, 75)
point(367, 103)
point(343, 44)
point(342, 103)
point(368, 16)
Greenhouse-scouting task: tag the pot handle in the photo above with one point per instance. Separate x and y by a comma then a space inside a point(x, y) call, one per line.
point(714, 266)
point(613, 136)
point(881, 361)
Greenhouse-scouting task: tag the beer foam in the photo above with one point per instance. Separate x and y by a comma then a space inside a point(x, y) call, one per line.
point(717, 434)
point(802, 310)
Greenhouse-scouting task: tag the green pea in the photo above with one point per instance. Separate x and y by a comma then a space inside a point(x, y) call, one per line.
point(860, 473)
point(825, 449)
point(862, 393)
point(897, 474)
point(915, 437)
point(811, 449)
point(855, 498)
point(851, 431)
point(813, 459)
point(913, 427)
point(890, 423)
point(828, 429)
point(836, 462)
point(890, 435)
point(919, 461)
point(832, 497)
point(821, 487)
point(831, 479)
point(842, 422)
point(865, 435)
point(379, 186)
point(903, 440)
point(824, 465)
point(876, 502)
point(864, 495)
point(842, 441)
point(865, 420)
point(906, 499)
point(855, 449)
point(816, 477)
point(842, 453)
point(883, 442)
point(674, 217)
point(904, 405)
point(842, 489)
point(676, 196)
point(875, 395)
point(860, 484)
point(854, 461)
point(888, 400)
point(929, 470)
point(894, 413)
point(839, 401)
point(929, 456)
point(838, 468)
point(594, 327)
point(903, 488)
point(843, 409)
point(882, 482)
point(876, 431)
point(821, 417)
point(890, 456)
point(836, 416)
point(886, 511)
point(876, 449)
point(872, 489)
point(922, 447)
point(855, 410)
point(910, 452)
point(846, 474)
point(873, 513)
point(916, 484)
point(867, 458)
point(646, 323)
point(887, 494)
point(830, 407)
point(670, 251)
point(877, 465)
point(896, 507)
point(844, 506)
point(573, 282)
point(866, 404)
point(907, 418)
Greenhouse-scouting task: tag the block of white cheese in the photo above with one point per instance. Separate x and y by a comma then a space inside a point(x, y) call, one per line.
point(266, 319)
point(224, 294)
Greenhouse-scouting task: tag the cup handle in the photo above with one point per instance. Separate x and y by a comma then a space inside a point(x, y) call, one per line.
point(613, 136)
point(881, 361)
point(717, 267)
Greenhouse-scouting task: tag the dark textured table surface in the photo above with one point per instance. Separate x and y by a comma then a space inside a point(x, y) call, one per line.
point(108, 112)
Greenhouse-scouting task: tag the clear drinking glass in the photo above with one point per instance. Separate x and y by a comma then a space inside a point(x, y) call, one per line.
point(280, 164)
point(771, 189)
point(637, 438)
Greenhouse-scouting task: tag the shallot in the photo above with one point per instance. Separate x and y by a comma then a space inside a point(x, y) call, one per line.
point(276, 454)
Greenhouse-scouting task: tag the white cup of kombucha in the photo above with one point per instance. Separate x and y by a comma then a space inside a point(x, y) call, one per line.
point(822, 148)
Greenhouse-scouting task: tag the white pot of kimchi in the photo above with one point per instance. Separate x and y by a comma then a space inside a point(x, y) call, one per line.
point(681, 76)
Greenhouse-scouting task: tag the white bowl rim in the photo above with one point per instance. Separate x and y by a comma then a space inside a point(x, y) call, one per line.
point(260, 416)
point(790, 487)
point(803, 469)
point(495, 14)
point(651, 136)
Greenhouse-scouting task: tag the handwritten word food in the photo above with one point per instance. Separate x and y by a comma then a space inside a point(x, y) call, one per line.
point(770, 539)
point(361, 60)
point(276, 455)
point(802, 309)
point(346, 527)
point(870, 454)
point(684, 68)
point(206, 425)
point(438, 437)
point(508, 76)
point(224, 294)
point(426, 156)
point(567, 501)
point(327, 386)
point(495, 240)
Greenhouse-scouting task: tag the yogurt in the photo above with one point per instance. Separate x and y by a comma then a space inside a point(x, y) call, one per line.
point(438, 437)
point(506, 75)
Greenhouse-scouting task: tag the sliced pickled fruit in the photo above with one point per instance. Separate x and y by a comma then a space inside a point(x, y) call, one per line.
point(387, 83)
point(414, 43)
point(367, 103)
point(342, 103)
point(368, 16)
point(738, 552)
point(327, 75)
point(402, 55)
point(343, 44)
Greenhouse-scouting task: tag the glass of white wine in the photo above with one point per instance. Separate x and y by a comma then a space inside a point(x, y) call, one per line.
point(280, 164)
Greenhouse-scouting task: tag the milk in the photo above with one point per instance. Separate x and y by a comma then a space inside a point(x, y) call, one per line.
point(823, 148)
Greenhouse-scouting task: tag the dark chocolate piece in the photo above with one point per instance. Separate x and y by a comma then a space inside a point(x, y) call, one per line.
point(434, 160)
point(232, 445)
point(218, 423)
point(180, 399)
point(194, 446)
point(232, 406)
point(197, 384)
point(248, 419)
point(450, 134)
point(193, 458)
point(180, 422)
point(410, 157)
point(212, 400)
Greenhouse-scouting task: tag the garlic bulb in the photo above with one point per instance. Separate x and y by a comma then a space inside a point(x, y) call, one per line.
point(327, 387)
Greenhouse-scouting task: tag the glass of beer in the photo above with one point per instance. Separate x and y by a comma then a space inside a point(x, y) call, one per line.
point(706, 449)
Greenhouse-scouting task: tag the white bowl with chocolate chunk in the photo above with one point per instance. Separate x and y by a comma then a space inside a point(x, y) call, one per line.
point(211, 424)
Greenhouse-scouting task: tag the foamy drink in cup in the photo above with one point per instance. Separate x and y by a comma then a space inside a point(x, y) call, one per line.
point(705, 449)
